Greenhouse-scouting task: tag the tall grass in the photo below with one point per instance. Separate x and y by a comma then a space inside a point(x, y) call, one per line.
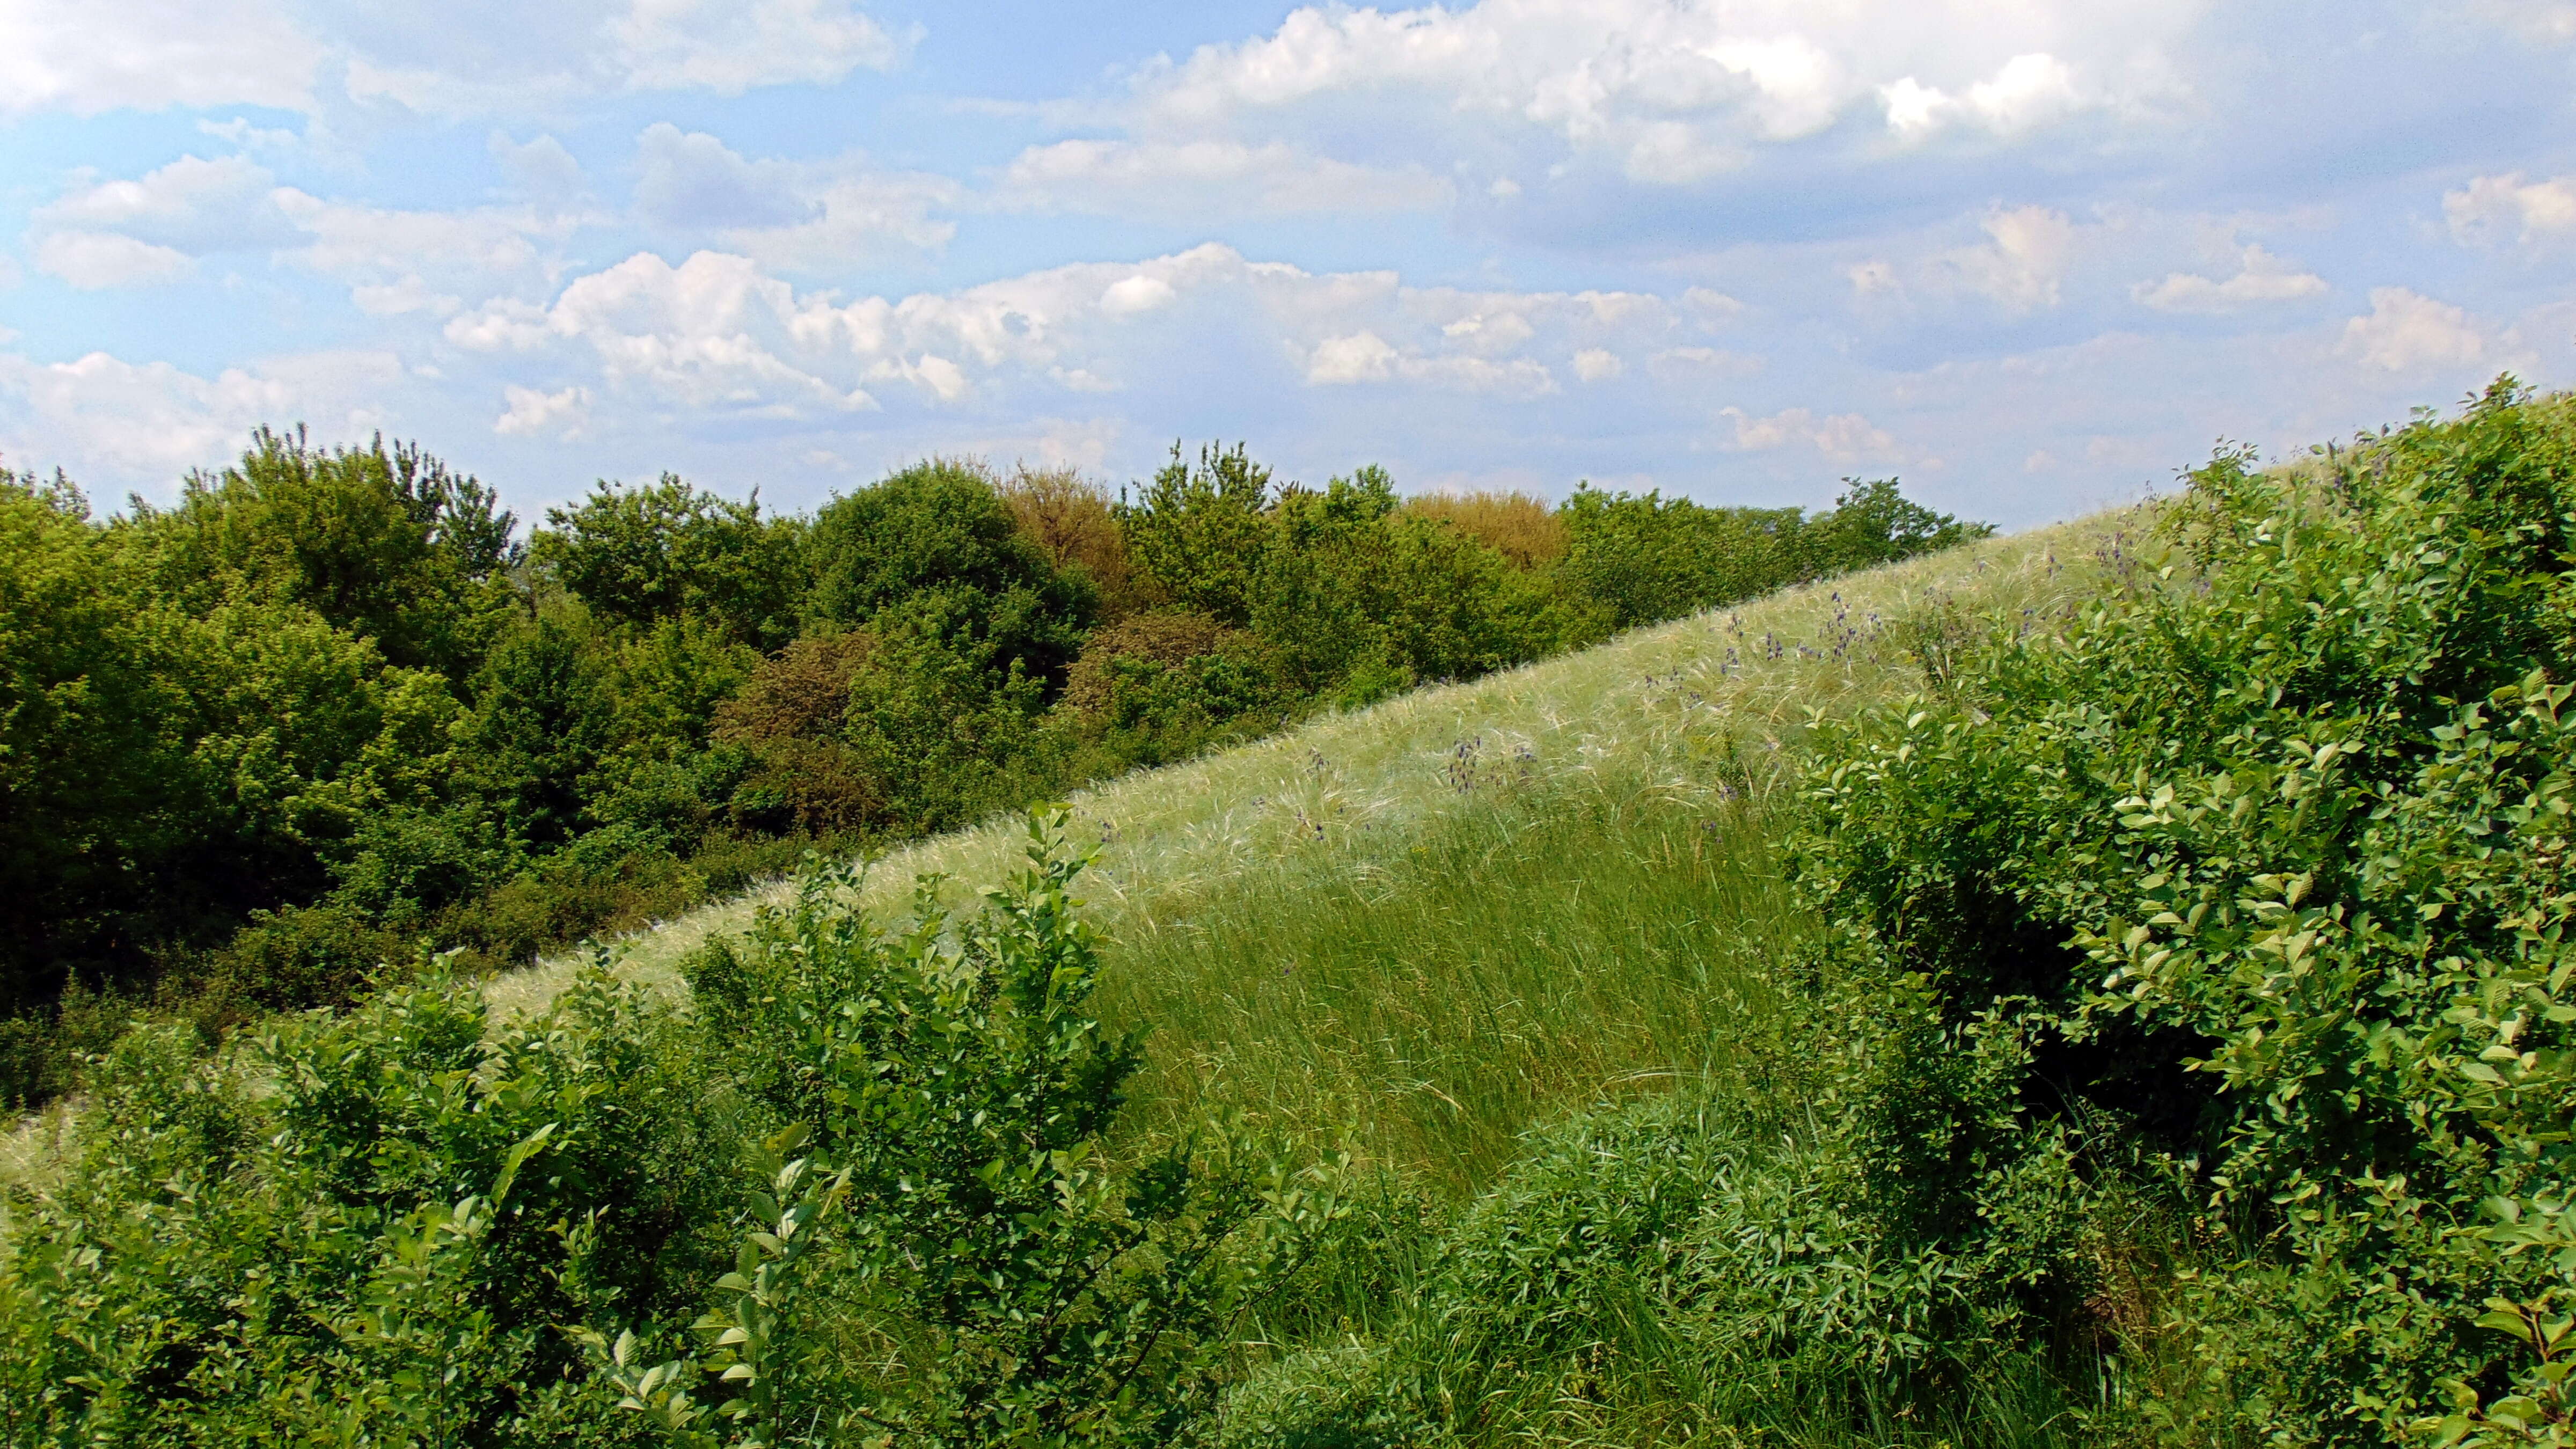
point(1433, 922)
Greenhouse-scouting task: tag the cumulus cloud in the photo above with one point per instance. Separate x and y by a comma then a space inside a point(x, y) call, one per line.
point(1699, 364)
point(731, 47)
point(2491, 208)
point(1842, 438)
point(152, 229)
point(149, 422)
point(1598, 364)
point(455, 58)
point(2028, 91)
point(562, 414)
point(802, 215)
point(2262, 278)
point(149, 54)
point(2021, 265)
point(542, 171)
point(92, 260)
point(191, 205)
point(2409, 332)
point(692, 180)
point(1675, 93)
point(719, 335)
point(2550, 22)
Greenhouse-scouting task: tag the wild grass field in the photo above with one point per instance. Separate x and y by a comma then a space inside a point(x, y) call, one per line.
point(1426, 925)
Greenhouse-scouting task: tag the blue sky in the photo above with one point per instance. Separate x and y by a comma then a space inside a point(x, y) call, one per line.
point(2029, 256)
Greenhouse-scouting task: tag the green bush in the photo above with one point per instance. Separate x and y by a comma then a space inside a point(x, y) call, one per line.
point(2262, 853)
point(940, 528)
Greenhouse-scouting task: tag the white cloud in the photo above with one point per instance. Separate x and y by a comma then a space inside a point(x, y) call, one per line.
point(1598, 364)
point(1676, 91)
point(451, 59)
point(88, 58)
point(2549, 22)
point(730, 47)
point(91, 260)
point(1698, 364)
point(1842, 438)
point(695, 182)
point(562, 414)
point(2022, 265)
point(152, 228)
point(192, 205)
point(1711, 308)
point(1869, 279)
point(2262, 278)
point(2028, 91)
point(1131, 295)
point(803, 216)
point(394, 299)
point(1360, 357)
point(718, 335)
point(146, 423)
point(542, 171)
point(2491, 207)
point(1197, 177)
point(2406, 332)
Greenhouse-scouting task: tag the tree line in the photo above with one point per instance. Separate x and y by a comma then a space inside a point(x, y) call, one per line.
point(334, 703)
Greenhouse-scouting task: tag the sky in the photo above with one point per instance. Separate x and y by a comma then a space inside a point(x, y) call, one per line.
point(2031, 257)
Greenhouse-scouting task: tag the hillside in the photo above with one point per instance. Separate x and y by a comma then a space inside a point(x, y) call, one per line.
point(1424, 925)
point(1545, 809)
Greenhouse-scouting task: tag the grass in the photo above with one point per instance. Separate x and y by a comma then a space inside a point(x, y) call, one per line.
point(1424, 926)
point(1423, 929)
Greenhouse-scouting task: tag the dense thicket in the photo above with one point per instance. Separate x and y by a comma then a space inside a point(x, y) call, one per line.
point(330, 705)
point(861, 1199)
point(2258, 870)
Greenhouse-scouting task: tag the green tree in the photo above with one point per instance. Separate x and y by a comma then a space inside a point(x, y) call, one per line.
point(939, 526)
point(1870, 524)
point(642, 555)
point(1200, 530)
point(386, 543)
point(93, 785)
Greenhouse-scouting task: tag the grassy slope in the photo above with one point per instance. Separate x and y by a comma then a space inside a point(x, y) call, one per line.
point(1420, 927)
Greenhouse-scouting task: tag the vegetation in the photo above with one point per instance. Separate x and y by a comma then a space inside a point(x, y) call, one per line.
point(2097, 987)
point(328, 708)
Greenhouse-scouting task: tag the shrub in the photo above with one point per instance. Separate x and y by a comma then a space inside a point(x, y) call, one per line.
point(1166, 639)
point(2266, 845)
point(940, 527)
point(384, 1234)
point(1074, 521)
point(956, 1198)
point(1641, 560)
point(1524, 529)
point(1199, 532)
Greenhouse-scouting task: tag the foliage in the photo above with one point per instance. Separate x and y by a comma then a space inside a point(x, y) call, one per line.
point(646, 555)
point(940, 527)
point(1523, 528)
point(412, 1223)
point(1199, 530)
point(2262, 852)
point(1074, 520)
point(387, 544)
point(325, 708)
